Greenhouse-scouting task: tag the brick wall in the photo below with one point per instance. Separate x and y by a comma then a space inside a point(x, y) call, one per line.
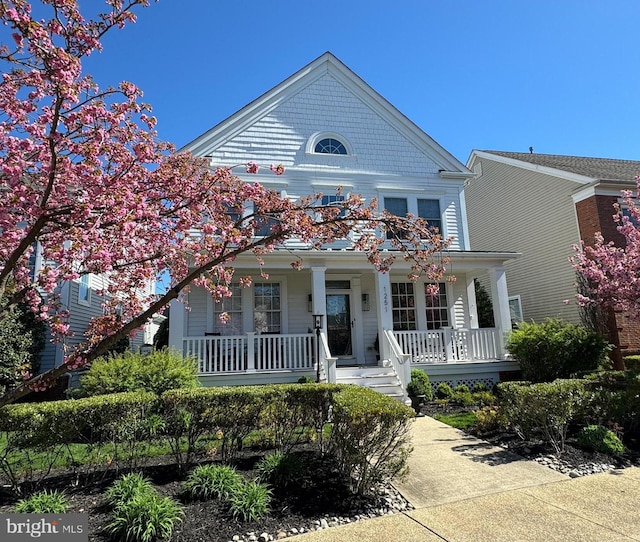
point(596, 214)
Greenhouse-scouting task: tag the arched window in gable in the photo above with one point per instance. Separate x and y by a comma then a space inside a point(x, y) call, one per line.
point(329, 143)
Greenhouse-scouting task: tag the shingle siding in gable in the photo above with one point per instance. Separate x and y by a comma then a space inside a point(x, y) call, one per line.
point(542, 207)
point(326, 105)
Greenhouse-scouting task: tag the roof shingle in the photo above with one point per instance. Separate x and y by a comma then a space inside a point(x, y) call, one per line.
point(604, 169)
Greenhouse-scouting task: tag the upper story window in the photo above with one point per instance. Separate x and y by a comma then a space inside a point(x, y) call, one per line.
point(330, 146)
point(335, 200)
point(427, 209)
point(329, 143)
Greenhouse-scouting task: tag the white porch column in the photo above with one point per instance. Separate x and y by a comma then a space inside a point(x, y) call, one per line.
point(319, 293)
point(385, 314)
point(500, 300)
point(176, 325)
point(472, 303)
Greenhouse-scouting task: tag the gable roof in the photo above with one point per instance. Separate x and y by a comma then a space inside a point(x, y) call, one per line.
point(327, 63)
point(591, 169)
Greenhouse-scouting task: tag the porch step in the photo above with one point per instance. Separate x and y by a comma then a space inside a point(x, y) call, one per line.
point(381, 379)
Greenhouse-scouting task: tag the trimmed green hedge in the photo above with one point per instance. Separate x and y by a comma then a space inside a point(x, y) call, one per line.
point(547, 407)
point(369, 436)
point(74, 420)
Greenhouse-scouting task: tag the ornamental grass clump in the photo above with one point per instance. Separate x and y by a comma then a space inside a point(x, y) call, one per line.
point(212, 481)
point(250, 501)
point(280, 469)
point(144, 518)
point(43, 502)
point(127, 487)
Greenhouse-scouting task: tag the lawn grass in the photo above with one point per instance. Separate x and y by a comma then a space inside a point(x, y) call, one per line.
point(462, 420)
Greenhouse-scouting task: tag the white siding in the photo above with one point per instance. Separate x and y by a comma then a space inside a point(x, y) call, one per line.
point(326, 105)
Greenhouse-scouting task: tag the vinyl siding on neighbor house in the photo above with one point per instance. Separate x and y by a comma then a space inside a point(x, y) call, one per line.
point(543, 208)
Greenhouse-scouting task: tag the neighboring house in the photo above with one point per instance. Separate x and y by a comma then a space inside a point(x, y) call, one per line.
point(80, 297)
point(330, 129)
point(541, 205)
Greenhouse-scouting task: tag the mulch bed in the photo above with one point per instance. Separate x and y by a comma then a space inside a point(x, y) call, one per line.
point(323, 493)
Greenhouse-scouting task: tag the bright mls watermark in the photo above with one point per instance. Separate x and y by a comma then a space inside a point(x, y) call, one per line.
point(46, 527)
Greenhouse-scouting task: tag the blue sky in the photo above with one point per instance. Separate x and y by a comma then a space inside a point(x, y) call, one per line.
point(561, 76)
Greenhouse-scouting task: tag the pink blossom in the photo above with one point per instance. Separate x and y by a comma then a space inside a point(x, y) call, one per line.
point(252, 167)
point(278, 170)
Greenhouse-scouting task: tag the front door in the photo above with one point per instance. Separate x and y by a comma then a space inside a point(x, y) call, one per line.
point(339, 325)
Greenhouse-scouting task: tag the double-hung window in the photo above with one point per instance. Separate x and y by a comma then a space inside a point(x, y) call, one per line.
point(327, 201)
point(427, 209)
point(437, 311)
point(232, 306)
point(403, 306)
point(267, 307)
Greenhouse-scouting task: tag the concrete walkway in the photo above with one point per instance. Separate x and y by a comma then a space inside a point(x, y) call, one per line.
point(466, 490)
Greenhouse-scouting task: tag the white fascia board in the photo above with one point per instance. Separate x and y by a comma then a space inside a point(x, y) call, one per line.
point(562, 174)
point(603, 188)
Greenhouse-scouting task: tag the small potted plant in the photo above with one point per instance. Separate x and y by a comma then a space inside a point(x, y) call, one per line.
point(419, 390)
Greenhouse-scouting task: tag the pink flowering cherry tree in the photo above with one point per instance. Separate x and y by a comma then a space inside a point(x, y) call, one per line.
point(612, 270)
point(84, 177)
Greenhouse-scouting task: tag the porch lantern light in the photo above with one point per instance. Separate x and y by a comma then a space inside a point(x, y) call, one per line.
point(317, 325)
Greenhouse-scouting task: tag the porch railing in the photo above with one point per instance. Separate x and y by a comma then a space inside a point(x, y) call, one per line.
point(449, 345)
point(252, 352)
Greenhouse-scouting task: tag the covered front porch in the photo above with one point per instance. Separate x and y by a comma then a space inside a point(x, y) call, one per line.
point(369, 320)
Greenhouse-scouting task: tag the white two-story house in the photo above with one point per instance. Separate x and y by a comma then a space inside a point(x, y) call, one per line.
point(330, 129)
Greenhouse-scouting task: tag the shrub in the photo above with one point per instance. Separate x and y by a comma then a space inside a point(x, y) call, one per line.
point(43, 502)
point(599, 439)
point(480, 387)
point(280, 469)
point(419, 385)
point(443, 391)
point(127, 487)
point(483, 398)
point(462, 398)
point(145, 517)
point(489, 419)
point(614, 396)
point(556, 349)
point(548, 408)
point(461, 388)
point(251, 501)
point(209, 481)
point(370, 436)
point(157, 372)
point(632, 363)
point(306, 380)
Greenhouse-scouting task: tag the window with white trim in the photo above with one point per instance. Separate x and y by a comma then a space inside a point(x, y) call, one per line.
point(437, 309)
point(425, 208)
point(403, 306)
point(267, 307)
point(330, 145)
point(327, 200)
point(84, 290)
point(232, 306)
point(515, 310)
